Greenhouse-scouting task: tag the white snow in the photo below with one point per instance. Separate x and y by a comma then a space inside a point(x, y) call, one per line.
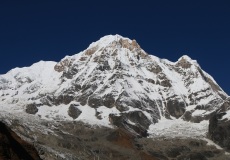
point(227, 115)
point(211, 143)
point(178, 128)
point(187, 58)
point(55, 112)
point(106, 40)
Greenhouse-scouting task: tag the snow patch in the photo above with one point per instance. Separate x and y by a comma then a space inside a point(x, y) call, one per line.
point(227, 115)
point(178, 128)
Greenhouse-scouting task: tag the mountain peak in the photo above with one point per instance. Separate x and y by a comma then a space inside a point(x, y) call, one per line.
point(186, 57)
point(114, 41)
point(186, 62)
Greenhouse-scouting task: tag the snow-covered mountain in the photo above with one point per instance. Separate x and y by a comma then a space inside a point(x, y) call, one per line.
point(113, 77)
point(112, 84)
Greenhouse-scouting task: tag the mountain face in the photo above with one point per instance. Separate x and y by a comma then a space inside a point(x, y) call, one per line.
point(219, 126)
point(112, 77)
point(113, 83)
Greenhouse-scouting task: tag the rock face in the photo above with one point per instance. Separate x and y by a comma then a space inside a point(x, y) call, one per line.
point(31, 109)
point(135, 122)
point(219, 130)
point(73, 111)
point(57, 140)
point(13, 147)
point(219, 126)
point(176, 108)
point(182, 149)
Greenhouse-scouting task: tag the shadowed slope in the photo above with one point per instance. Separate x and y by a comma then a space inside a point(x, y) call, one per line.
point(13, 147)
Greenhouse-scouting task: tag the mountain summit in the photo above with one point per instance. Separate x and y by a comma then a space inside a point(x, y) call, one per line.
point(114, 83)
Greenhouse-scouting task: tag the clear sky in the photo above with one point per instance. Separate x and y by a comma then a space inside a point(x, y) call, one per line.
point(34, 30)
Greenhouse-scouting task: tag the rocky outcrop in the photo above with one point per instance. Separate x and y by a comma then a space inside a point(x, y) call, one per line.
point(31, 108)
point(176, 108)
point(76, 140)
point(126, 44)
point(219, 127)
point(12, 147)
point(135, 123)
point(73, 111)
point(182, 149)
point(91, 51)
point(219, 130)
point(184, 63)
point(59, 67)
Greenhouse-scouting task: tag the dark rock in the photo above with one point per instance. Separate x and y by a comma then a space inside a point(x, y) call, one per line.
point(98, 115)
point(184, 63)
point(83, 98)
point(108, 100)
point(31, 109)
point(95, 101)
point(197, 119)
point(176, 108)
point(13, 147)
point(51, 100)
point(158, 155)
point(72, 70)
point(63, 99)
point(125, 44)
point(104, 66)
point(45, 101)
point(67, 99)
point(154, 68)
point(174, 152)
point(121, 107)
point(200, 107)
point(213, 104)
point(138, 117)
point(77, 87)
point(121, 122)
point(122, 104)
point(195, 144)
point(219, 130)
point(59, 67)
point(121, 138)
point(85, 87)
point(187, 116)
point(83, 58)
point(91, 51)
point(165, 83)
point(151, 81)
point(73, 111)
point(139, 129)
point(192, 156)
point(208, 154)
point(225, 106)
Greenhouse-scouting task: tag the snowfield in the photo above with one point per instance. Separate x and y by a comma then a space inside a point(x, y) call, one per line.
point(178, 128)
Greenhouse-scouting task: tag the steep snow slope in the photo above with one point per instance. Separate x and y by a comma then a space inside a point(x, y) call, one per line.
point(112, 82)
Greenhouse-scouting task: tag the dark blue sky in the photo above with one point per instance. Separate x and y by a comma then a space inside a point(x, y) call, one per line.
point(50, 29)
